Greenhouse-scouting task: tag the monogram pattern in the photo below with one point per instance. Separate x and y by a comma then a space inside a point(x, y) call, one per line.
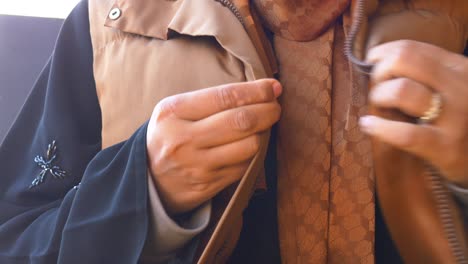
point(304, 140)
point(352, 204)
point(326, 185)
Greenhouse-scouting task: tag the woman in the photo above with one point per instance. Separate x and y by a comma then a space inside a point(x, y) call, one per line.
point(141, 52)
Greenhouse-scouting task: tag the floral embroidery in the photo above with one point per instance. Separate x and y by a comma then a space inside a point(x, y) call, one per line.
point(48, 166)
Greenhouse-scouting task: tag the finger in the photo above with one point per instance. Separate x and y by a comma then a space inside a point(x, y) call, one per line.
point(234, 152)
point(219, 180)
point(229, 175)
point(236, 124)
point(420, 140)
point(419, 61)
point(206, 102)
point(410, 97)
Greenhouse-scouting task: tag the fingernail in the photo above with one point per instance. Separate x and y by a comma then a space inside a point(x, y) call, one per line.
point(277, 88)
point(366, 123)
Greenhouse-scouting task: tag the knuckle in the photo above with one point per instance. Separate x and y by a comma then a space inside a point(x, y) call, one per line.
point(225, 98)
point(401, 89)
point(265, 92)
point(404, 53)
point(197, 180)
point(174, 151)
point(158, 161)
point(173, 147)
point(167, 107)
point(243, 120)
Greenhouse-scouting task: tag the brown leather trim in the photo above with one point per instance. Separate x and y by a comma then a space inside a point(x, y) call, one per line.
point(253, 26)
point(218, 249)
point(213, 252)
point(408, 203)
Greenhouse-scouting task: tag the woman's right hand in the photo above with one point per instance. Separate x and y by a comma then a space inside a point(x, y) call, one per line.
point(200, 142)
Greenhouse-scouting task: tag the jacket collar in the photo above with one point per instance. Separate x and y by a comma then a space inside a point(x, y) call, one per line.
point(164, 18)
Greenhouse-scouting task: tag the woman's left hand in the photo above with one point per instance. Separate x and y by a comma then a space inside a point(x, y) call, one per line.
point(406, 76)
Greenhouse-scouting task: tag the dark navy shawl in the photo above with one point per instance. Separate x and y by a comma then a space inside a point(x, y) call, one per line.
point(105, 220)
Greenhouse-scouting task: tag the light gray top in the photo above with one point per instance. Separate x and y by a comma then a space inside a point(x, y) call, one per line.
point(166, 236)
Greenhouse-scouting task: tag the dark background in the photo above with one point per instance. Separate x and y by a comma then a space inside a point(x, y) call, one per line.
point(25, 45)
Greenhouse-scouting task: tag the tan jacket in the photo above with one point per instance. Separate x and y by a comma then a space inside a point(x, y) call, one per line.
point(153, 49)
point(147, 50)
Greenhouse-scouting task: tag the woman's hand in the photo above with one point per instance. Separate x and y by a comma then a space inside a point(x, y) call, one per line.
point(200, 142)
point(406, 76)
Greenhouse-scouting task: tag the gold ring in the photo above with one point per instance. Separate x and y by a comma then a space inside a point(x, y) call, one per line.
point(434, 111)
